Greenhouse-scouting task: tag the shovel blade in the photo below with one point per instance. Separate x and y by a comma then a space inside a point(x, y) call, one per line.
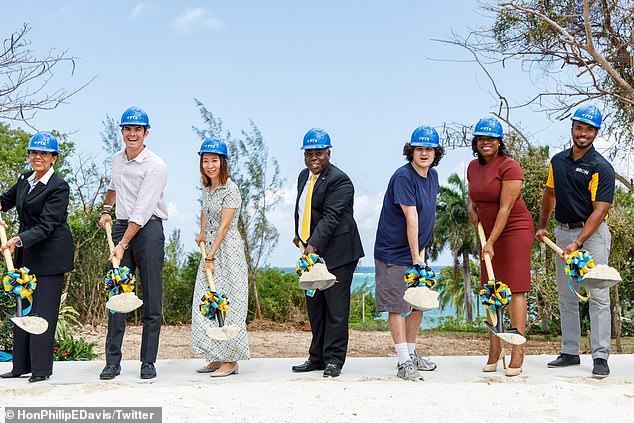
point(317, 278)
point(601, 276)
point(31, 324)
point(421, 298)
point(512, 336)
point(223, 333)
point(124, 303)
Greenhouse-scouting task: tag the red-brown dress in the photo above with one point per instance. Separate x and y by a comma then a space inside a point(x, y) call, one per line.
point(512, 260)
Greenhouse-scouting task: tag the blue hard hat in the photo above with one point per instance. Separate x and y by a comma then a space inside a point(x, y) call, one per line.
point(214, 145)
point(43, 141)
point(316, 139)
point(489, 127)
point(588, 114)
point(425, 136)
point(135, 116)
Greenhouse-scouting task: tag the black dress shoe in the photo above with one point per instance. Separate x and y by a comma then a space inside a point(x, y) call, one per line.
point(332, 370)
point(38, 378)
point(110, 371)
point(148, 371)
point(308, 366)
point(600, 368)
point(9, 375)
point(565, 360)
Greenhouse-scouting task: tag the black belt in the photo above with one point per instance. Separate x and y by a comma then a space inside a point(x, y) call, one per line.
point(151, 218)
point(573, 225)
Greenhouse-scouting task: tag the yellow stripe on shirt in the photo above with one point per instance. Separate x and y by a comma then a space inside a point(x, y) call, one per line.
point(593, 185)
point(550, 183)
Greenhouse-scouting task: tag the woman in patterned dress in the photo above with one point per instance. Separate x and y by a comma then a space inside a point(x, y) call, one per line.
point(225, 257)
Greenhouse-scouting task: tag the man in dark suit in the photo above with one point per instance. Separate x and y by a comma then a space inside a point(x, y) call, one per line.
point(325, 224)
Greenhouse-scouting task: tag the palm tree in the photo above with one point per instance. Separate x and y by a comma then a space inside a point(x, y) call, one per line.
point(451, 287)
point(453, 230)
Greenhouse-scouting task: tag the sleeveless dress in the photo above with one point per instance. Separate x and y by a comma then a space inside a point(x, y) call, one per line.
point(512, 261)
point(230, 277)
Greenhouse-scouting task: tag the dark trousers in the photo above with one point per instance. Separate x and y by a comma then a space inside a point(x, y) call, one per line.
point(328, 313)
point(144, 257)
point(34, 353)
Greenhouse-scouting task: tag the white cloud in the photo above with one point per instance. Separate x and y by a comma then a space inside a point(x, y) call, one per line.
point(193, 19)
point(139, 9)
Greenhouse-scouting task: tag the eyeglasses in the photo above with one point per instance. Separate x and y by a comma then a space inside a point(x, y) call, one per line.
point(34, 153)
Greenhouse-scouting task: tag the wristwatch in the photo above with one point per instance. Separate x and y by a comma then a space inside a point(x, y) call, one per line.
point(124, 245)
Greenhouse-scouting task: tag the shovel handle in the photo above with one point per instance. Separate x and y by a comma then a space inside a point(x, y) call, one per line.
point(554, 246)
point(108, 228)
point(7, 254)
point(208, 272)
point(487, 259)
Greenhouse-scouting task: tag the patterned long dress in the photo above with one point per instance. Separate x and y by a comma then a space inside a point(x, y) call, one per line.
point(230, 277)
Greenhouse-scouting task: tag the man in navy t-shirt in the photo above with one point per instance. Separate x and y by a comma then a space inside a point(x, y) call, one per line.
point(405, 228)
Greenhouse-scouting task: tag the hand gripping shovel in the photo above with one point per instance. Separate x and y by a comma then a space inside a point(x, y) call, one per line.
point(419, 280)
point(120, 284)
point(497, 296)
point(582, 268)
point(312, 271)
point(15, 282)
point(215, 304)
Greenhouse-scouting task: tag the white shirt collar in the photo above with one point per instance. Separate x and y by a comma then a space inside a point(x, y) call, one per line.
point(44, 179)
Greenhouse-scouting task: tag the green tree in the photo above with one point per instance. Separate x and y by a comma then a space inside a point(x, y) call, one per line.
point(451, 287)
point(257, 174)
point(454, 231)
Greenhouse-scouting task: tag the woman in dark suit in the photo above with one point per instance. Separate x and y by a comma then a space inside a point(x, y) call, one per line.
point(44, 245)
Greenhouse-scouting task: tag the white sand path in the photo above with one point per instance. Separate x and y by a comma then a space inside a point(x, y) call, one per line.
point(367, 391)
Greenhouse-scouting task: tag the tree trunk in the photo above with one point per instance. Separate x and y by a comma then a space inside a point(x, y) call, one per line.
point(466, 277)
point(616, 319)
point(256, 297)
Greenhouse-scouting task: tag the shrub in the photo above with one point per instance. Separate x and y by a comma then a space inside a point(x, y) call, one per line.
point(280, 295)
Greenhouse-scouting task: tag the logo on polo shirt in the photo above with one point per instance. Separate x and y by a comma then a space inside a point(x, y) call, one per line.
point(584, 171)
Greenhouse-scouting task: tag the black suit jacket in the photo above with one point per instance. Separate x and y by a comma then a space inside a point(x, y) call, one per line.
point(333, 230)
point(47, 244)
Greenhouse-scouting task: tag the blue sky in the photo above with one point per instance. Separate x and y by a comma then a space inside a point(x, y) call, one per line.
point(365, 71)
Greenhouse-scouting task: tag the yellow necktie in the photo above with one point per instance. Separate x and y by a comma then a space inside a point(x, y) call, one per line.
point(307, 206)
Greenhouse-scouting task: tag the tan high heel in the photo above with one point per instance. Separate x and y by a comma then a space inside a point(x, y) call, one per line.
point(514, 371)
point(488, 368)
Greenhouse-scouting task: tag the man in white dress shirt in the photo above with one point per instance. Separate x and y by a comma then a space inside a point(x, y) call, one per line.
point(137, 187)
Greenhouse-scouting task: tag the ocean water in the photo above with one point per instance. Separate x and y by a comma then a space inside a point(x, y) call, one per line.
point(364, 275)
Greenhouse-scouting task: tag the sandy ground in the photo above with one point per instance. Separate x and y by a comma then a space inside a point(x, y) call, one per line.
point(266, 391)
point(278, 341)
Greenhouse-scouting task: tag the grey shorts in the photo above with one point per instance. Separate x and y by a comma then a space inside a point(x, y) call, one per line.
point(390, 287)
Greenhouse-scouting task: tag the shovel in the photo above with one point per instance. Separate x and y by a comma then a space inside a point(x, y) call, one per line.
point(124, 302)
point(317, 276)
point(421, 297)
point(512, 336)
point(216, 301)
point(600, 276)
point(31, 324)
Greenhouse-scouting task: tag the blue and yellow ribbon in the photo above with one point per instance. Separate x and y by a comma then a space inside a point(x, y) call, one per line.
point(420, 275)
point(495, 294)
point(578, 263)
point(119, 280)
point(22, 285)
point(212, 303)
point(305, 264)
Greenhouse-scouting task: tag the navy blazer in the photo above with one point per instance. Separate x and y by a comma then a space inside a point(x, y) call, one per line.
point(47, 243)
point(333, 230)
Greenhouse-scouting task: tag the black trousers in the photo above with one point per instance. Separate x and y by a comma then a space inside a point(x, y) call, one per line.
point(144, 257)
point(328, 313)
point(34, 353)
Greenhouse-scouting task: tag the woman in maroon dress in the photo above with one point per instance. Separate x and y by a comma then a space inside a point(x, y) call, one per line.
point(495, 181)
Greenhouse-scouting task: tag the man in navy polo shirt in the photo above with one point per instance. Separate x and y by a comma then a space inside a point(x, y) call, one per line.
point(581, 184)
point(405, 227)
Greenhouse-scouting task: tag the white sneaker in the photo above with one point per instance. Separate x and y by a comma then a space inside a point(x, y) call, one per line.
point(407, 371)
point(421, 363)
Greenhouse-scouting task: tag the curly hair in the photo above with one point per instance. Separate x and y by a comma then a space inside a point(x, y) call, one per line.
point(502, 150)
point(408, 152)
